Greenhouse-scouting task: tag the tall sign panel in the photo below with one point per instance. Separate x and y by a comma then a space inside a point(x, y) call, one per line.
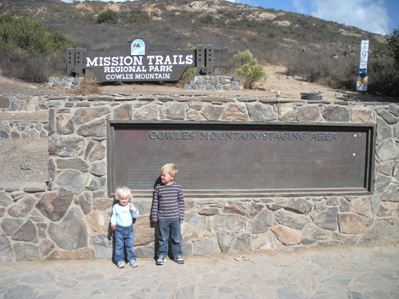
point(362, 79)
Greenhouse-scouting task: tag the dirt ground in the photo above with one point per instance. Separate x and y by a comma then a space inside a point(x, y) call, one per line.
point(276, 84)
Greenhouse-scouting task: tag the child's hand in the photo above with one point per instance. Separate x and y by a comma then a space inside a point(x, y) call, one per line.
point(132, 207)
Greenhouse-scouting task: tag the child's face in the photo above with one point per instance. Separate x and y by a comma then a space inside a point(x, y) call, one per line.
point(123, 200)
point(167, 178)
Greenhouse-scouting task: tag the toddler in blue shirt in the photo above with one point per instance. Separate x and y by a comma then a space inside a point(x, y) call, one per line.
point(123, 213)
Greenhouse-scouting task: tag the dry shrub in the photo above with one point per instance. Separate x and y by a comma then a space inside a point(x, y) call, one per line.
point(26, 66)
point(88, 85)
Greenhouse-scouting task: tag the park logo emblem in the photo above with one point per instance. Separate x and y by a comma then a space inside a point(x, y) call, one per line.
point(137, 47)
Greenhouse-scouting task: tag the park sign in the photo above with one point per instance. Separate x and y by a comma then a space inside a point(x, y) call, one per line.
point(134, 63)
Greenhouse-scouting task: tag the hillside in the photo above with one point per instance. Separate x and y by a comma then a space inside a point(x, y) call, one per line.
point(270, 34)
point(275, 37)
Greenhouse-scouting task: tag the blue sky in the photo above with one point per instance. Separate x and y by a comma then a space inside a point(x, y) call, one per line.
point(378, 16)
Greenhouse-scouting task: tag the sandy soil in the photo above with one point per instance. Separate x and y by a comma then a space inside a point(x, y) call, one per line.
point(276, 84)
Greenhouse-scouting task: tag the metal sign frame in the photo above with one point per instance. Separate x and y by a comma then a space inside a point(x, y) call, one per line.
point(188, 130)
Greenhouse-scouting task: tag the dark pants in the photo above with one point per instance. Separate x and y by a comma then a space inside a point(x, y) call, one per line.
point(169, 230)
point(124, 239)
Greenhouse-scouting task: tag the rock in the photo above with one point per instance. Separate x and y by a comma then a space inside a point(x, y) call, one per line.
point(26, 252)
point(85, 201)
point(73, 163)
point(391, 193)
point(208, 211)
point(10, 225)
point(254, 209)
point(314, 234)
point(102, 246)
point(388, 117)
point(350, 223)
point(27, 233)
point(174, 111)
point(261, 113)
point(66, 146)
point(64, 125)
point(386, 209)
point(147, 112)
point(85, 115)
point(144, 233)
point(6, 250)
point(336, 113)
point(241, 243)
point(73, 180)
point(5, 199)
point(262, 222)
point(98, 168)
point(327, 219)
point(236, 112)
point(54, 205)
point(389, 150)
point(97, 153)
point(382, 230)
point(286, 112)
point(308, 113)
point(46, 246)
point(97, 128)
point(77, 236)
point(205, 246)
point(229, 222)
point(286, 235)
point(235, 208)
point(22, 207)
point(19, 291)
point(98, 221)
point(299, 205)
point(211, 112)
point(290, 219)
point(384, 131)
point(225, 239)
point(123, 112)
point(81, 254)
point(360, 115)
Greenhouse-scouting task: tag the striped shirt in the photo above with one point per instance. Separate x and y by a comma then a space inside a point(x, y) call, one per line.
point(168, 203)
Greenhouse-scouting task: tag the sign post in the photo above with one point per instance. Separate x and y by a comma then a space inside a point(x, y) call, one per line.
point(362, 78)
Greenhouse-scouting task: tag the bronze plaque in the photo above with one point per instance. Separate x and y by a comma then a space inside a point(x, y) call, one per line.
point(242, 157)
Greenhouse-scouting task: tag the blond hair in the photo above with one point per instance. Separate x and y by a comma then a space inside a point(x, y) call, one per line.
point(123, 192)
point(170, 168)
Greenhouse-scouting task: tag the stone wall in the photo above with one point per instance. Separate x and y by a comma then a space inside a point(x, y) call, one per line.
point(69, 219)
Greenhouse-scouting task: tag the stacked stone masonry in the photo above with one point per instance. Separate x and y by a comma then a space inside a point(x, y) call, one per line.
point(68, 219)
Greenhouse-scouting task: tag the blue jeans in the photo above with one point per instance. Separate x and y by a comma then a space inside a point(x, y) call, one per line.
point(124, 238)
point(169, 230)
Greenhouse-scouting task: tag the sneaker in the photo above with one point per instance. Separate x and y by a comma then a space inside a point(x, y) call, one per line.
point(179, 259)
point(160, 260)
point(133, 264)
point(120, 265)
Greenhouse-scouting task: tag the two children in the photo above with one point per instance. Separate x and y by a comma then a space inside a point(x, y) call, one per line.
point(167, 210)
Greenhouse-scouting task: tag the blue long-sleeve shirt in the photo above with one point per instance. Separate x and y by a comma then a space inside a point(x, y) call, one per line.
point(168, 203)
point(122, 215)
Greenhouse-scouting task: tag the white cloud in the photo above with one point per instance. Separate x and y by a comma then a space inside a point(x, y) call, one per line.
point(369, 15)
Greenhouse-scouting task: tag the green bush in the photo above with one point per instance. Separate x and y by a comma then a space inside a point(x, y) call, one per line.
point(28, 49)
point(247, 68)
point(138, 16)
point(30, 35)
point(108, 16)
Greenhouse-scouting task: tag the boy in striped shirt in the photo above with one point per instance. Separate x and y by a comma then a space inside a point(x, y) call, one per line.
point(168, 211)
